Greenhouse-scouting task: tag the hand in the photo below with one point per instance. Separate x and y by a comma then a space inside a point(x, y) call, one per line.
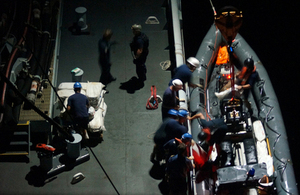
point(200, 115)
point(200, 86)
point(239, 87)
point(191, 157)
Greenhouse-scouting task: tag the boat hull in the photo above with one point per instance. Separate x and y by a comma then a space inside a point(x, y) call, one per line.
point(263, 102)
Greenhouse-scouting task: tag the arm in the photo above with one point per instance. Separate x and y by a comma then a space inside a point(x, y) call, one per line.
point(87, 103)
point(140, 46)
point(138, 53)
point(199, 115)
point(247, 86)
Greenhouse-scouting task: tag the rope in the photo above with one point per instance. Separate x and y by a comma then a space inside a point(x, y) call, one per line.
point(165, 64)
point(104, 171)
point(213, 8)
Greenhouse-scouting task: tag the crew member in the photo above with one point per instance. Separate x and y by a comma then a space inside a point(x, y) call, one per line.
point(170, 99)
point(139, 48)
point(184, 72)
point(244, 80)
point(177, 128)
point(247, 76)
point(171, 146)
point(160, 136)
point(78, 105)
point(104, 58)
point(177, 169)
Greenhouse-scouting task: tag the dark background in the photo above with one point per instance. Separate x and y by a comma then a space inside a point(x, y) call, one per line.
point(271, 28)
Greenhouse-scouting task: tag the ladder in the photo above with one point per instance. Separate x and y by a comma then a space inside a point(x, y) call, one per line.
point(17, 142)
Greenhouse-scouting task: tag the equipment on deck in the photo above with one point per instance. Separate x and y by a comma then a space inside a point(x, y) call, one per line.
point(152, 102)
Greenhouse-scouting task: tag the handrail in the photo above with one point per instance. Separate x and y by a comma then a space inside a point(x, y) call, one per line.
point(180, 59)
point(56, 58)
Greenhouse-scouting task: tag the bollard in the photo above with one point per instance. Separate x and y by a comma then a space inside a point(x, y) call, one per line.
point(74, 147)
point(46, 160)
point(81, 17)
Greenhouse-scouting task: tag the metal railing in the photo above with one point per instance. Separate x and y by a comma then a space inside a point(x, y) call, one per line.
point(175, 6)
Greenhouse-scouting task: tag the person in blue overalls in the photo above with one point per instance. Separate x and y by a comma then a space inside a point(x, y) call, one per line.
point(104, 57)
point(170, 99)
point(177, 170)
point(139, 48)
point(77, 106)
point(185, 71)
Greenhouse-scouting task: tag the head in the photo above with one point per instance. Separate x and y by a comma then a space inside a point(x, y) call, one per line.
point(193, 63)
point(173, 113)
point(249, 63)
point(182, 114)
point(186, 138)
point(77, 87)
point(136, 29)
point(177, 84)
point(107, 34)
point(204, 135)
point(181, 148)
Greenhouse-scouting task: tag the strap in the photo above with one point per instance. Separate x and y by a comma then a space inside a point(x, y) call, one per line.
point(152, 102)
point(44, 147)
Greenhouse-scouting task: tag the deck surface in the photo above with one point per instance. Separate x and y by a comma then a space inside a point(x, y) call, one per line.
point(125, 151)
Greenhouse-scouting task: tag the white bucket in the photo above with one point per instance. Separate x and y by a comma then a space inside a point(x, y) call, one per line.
point(81, 17)
point(77, 75)
point(73, 148)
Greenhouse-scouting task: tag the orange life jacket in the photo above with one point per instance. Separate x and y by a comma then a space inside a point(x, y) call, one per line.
point(245, 74)
point(222, 57)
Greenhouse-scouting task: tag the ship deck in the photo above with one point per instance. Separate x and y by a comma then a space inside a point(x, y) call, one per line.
point(125, 152)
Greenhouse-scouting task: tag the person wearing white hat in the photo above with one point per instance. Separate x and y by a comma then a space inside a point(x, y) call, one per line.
point(139, 48)
point(185, 71)
point(170, 99)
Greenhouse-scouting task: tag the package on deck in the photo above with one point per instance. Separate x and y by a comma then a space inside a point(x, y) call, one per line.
point(63, 108)
point(93, 89)
point(97, 124)
point(97, 102)
point(64, 93)
point(103, 106)
point(70, 85)
point(95, 93)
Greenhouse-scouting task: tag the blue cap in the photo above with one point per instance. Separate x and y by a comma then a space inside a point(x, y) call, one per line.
point(183, 113)
point(77, 85)
point(186, 136)
point(173, 112)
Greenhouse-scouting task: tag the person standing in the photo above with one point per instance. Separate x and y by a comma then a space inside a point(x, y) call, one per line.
point(161, 137)
point(170, 99)
point(104, 57)
point(177, 171)
point(176, 128)
point(185, 71)
point(139, 48)
point(171, 146)
point(77, 106)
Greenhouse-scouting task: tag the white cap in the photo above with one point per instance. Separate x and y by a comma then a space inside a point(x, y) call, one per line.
point(177, 82)
point(193, 61)
point(136, 27)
